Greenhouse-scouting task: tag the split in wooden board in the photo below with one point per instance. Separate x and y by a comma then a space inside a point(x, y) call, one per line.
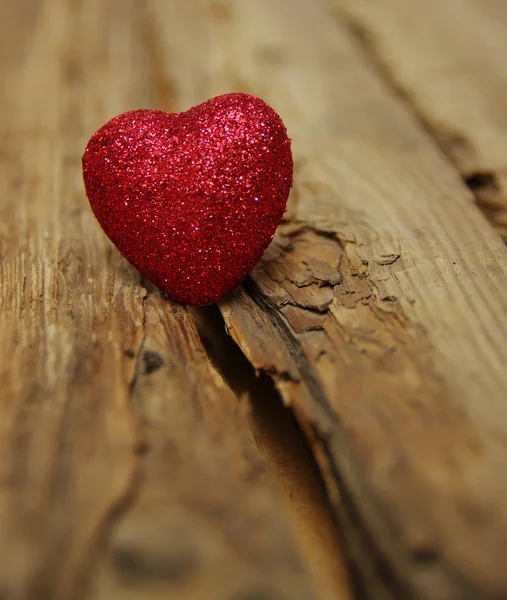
point(447, 59)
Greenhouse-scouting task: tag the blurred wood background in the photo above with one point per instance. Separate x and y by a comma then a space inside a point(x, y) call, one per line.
point(337, 428)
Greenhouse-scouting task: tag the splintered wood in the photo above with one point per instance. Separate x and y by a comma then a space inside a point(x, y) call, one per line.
point(379, 314)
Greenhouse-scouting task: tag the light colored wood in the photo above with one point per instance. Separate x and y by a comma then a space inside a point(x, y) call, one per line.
point(395, 367)
point(448, 60)
point(207, 520)
point(68, 437)
point(117, 481)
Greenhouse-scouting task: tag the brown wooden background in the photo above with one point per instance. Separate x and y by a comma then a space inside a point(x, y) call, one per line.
point(145, 453)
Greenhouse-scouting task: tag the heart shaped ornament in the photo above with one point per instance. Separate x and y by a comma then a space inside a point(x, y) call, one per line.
point(192, 200)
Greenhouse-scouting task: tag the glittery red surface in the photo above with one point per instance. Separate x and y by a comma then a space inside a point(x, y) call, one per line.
point(192, 200)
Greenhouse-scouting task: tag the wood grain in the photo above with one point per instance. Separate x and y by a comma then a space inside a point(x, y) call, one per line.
point(128, 462)
point(118, 481)
point(207, 521)
point(380, 310)
point(69, 307)
point(448, 60)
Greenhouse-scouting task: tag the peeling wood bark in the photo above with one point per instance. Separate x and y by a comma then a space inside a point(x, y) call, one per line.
point(387, 333)
point(447, 59)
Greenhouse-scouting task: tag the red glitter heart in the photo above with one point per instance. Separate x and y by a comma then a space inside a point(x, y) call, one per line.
point(192, 200)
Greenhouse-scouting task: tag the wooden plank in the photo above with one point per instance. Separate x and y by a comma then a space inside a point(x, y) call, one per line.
point(152, 481)
point(66, 425)
point(380, 312)
point(206, 522)
point(448, 60)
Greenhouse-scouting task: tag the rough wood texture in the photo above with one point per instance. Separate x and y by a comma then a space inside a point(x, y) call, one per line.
point(128, 463)
point(117, 482)
point(448, 60)
point(280, 441)
point(207, 521)
point(380, 312)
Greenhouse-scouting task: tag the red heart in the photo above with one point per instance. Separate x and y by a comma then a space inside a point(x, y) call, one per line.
point(192, 200)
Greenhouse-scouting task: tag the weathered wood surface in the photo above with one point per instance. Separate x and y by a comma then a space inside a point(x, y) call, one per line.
point(381, 312)
point(206, 521)
point(128, 464)
point(448, 60)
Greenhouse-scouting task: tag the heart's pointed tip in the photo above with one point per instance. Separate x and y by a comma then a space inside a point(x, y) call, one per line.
point(196, 298)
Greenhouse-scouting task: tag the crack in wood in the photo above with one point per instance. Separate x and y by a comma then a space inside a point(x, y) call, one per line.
point(366, 561)
point(489, 194)
point(179, 528)
point(274, 426)
point(366, 330)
